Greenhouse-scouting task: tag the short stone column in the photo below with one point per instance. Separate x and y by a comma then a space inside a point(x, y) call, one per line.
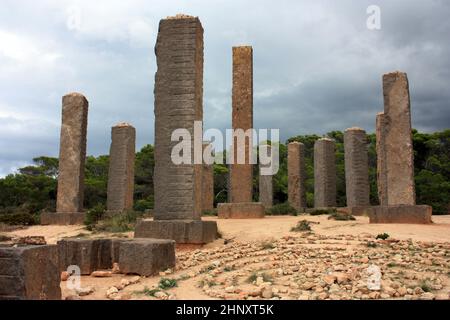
point(324, 174)
point(395, 157)
point(356, 168)
point(297, 176)
point(121, 168)
point(266, 185)
point(72, 158)
point(207, 183)
point(178, 104)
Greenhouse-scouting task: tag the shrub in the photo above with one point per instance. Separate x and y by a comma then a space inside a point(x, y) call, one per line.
point(382, 236)
point(210, 213)
point(94, 214)
point(118, 223)
point(144, 204)
point(167, 283)
point(19, 219)
point(320, 212)
point(341, 216)
point(302, 226)
point(282, 209)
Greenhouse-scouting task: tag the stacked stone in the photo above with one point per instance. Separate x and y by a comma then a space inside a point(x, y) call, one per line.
point(266, 185)
point(395, 157)
point(297, 176)
point(72, 157)
point(356, 168)
point(207, 183)
point(121, 168)
point(29, 273)
point(324, 174)
point(178, 104)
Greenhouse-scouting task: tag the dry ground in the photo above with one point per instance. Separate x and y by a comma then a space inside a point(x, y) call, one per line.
point(264, 259)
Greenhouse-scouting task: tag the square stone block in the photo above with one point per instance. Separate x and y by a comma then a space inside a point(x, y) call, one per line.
point(89, 254)
point(182, 231)
point(245, 210)
point(146, 257)
point(405, 214)
point(29, 273)
point(62, 219)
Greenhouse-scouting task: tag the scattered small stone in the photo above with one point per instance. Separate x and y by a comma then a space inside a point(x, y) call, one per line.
point(101, 274)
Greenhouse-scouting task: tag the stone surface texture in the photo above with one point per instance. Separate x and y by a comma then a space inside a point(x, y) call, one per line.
point(207, 184)
point(404, 214)
point(249, 210)
point(296, 175)
point(266, 185)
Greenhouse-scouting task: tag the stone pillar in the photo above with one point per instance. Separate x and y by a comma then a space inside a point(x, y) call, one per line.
point(394, 143)
point(266, 185)
point(356, 168)
point(178, 104)
point(207, 184)
point(72, 157)
point(242, 174)
point(395, 157)
point(241, 167)
point(121, 168)
point(297, 176)
point(324, 174)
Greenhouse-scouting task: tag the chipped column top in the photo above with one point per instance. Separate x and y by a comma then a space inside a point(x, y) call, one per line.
point(180, 16)
point(354, 129)
point(122, 125)
point(295, 142)
point(326, 139)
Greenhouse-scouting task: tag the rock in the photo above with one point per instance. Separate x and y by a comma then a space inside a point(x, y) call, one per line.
point(267, 292)
point(84, 291)
point(418, 290)
point(135, 280)
point(374, 295)
point(125, 282)
point(64, 276)
point(384, 296)
point(309, 274)
point(115, 268)
point(402, 291)
point(329, 279)
point(308, 286)
point(341, 277)
point(73, 297)
point(161, 295)
point(31, 240)
point(111, 291)
point(230, 289)
point(101, 274)
point(442, 296)
point(427, 296)
point(259, 281)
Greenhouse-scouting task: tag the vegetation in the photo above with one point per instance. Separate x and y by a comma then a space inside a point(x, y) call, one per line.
point(341, 216)
point(32, 189)
point(266, 278)
point(282, 209)
point(167, 283)
point(320, 212)
point(382, 236)
point(302, 226)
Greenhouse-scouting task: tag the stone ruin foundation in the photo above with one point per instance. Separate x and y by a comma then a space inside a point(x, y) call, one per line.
point(178, 104)
point(395, 157)
point(121, 169)
point(72, 157)
point(241, 174)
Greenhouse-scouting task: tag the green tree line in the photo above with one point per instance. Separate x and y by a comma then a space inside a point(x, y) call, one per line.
point(31, 190)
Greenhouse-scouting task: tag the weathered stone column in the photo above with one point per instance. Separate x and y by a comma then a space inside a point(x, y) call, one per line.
point(207, 184)
point(297, 176)
point(395, 157)
point(178, 104)
point(121, 168)
point(72, 157)
point(324, 174)
point(356, 168)
point(241, 167)
point(394, 147)
point(242, 174)
point(266, 185)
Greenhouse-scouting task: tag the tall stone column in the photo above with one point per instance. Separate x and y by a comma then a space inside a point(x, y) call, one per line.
point(121, 168)
point(356, 168)
point(395, 157)
point(324, 174)
point(297, 176)
point(178, 104)
point(241, 167)
point(266, 185)
point(394, 147)
point(242, 100)
point(72, 157)
point(207, 184)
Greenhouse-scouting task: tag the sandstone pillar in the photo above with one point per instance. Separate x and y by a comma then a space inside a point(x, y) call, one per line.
point(72, 157)
point(121, 168)
point(178, 104)
point(241, 167)
point(356, 168)
point(395, 157)
point(324, 174)
point(207, 184)
point(297, 176)
point(266, 185)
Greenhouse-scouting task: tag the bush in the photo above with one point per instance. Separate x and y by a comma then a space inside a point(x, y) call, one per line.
point(302, 226)
point(144, 204)
point(19, 219)
point(210, 213)
point(320, 212)
point(382, 236)
point(118, 223)
point(167, 283)
point(282, 209)
point(341, 216)
point(94, 215)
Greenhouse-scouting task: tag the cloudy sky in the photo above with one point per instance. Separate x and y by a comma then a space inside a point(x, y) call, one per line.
point(317, 67)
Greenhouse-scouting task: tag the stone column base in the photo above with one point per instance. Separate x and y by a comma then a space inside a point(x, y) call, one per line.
point(182, 231)
point(405, 214)
point(245, 210)
point(62, 219)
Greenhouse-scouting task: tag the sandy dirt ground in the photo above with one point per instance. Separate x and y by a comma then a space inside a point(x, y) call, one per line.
point(264, 259)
